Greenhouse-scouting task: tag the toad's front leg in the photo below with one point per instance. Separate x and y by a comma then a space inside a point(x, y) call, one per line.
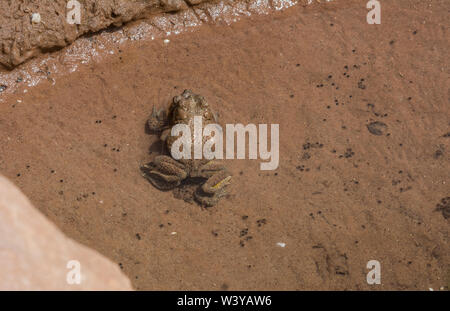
point(218, 178)
point(157, 121)
point(164, 172)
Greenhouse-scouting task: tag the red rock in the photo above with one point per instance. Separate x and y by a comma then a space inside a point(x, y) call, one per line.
point(34, 253)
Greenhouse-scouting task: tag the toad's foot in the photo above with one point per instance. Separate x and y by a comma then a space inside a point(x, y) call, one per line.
point(164, 172)
point(214, 188)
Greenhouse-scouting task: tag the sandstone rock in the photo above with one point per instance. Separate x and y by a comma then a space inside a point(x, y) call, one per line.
point(35, 254)
point(22, 37)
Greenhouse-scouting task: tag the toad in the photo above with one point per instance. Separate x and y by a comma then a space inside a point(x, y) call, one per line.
point(165, 172)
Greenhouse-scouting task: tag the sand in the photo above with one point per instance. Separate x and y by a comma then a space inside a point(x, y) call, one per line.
point(347, 190)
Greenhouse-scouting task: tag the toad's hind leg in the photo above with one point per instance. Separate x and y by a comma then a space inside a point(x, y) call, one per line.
point(164, 172)
point(215, 186)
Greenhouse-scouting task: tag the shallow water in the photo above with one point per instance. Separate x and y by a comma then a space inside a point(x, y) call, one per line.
point(93, 48)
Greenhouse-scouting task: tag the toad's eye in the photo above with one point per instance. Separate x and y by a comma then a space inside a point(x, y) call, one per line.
point(177, 99)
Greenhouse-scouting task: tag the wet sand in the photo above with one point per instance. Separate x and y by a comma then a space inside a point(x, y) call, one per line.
point(342, 195)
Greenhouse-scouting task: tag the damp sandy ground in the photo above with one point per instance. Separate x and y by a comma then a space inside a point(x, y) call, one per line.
point(341, 196)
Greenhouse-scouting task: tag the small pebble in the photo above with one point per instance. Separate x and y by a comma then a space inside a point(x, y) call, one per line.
point(377, 128)
point(35, 18)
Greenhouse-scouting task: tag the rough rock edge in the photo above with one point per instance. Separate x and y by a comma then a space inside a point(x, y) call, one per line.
point(21, 39)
